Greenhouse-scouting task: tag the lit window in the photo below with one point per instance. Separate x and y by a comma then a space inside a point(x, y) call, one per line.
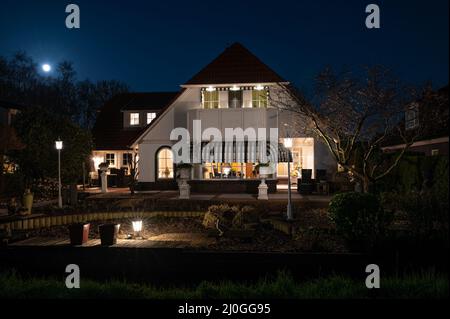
point(110, 159)
point(127, 159)
point(150, 117)
point(210, 99)
point(134, 118)
point(434, 152)
point(259, 98)
point(412, 117)
point(234, 99)
point(165, 163)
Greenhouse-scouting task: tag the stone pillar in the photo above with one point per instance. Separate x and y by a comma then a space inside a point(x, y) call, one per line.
point(185, 189)
point(104, 182)
point(262, 190)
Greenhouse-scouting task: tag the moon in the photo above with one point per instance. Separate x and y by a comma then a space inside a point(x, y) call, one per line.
point(46, 67)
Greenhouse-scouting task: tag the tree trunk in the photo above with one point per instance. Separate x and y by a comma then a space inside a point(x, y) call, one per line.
point(366, 185)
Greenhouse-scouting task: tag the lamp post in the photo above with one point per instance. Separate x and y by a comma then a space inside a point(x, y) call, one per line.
point(59, 146)
point(288, 144)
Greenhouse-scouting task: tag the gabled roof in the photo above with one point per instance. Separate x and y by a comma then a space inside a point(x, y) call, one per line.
point(149, 101)
point(109, 133)
point(235, 65)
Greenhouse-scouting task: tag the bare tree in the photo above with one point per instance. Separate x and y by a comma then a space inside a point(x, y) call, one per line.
point(354, 117)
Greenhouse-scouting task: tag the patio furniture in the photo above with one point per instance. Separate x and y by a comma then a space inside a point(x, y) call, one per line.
point(305, 185)
point(322, 185)
point(108, 234)
point(79, 233)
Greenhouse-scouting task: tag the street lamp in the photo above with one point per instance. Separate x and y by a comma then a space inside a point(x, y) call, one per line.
point(59, 146)
point(288, 144)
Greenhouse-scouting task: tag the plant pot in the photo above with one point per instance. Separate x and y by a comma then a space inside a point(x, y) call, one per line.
point(185, 173)
point(264, 171)
point(108, 234)
point(79, 233)
point(27, 201)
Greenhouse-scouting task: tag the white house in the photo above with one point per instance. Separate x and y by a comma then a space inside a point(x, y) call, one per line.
point(230, 92)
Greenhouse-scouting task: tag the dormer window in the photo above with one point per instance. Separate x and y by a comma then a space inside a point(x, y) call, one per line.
point(134, 119)
point(412, 117)
point(150, 117)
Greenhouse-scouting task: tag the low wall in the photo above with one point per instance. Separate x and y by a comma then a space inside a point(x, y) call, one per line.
point(231, 186)
point(29, 223)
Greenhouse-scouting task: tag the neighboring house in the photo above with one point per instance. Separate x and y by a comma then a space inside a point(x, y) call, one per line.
point(119, 122)
point(8, 137)
point(230, 92)
point(428, 118)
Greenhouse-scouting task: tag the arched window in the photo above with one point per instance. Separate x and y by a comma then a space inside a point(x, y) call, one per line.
point(164, 159)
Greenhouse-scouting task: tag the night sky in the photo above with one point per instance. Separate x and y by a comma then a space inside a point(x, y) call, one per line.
point(158, 45)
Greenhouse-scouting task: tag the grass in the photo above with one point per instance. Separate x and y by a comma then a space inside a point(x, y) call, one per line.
point(283, 286)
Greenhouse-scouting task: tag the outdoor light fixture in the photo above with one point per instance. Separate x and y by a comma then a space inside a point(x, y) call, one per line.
point(234, 88)
point(59, 146)
point(137, 227)
point(259, 88)
point(288, 142)
point(210, 89)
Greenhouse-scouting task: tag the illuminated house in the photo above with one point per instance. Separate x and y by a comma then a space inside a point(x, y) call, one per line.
point(233, 91)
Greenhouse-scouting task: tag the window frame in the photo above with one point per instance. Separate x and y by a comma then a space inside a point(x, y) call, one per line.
point(152, 117)
point(240, 100)
point(170, 167)
point(132, 119)
point(111, 162)
point(129, 161)
point(210, 99)
point(258, 102)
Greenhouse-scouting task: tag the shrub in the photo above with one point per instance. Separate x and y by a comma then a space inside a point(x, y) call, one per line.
point(247, 215)
point(426, 214)
point(359, 218)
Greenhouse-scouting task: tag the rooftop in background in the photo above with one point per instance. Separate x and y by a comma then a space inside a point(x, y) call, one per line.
point(235, 65)
point(108, 131)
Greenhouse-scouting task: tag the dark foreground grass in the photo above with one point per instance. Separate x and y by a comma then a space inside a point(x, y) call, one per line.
point(283, 286)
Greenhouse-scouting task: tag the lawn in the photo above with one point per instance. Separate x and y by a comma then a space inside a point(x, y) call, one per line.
point(283, 286)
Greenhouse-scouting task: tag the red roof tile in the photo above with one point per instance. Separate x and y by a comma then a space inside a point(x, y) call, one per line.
point(235, 65)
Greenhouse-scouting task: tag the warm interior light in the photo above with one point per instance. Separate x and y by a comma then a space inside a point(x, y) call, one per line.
point(210, 89)
point(97, 161)
point(59, 145)
point(137, 227)
point(288, 142)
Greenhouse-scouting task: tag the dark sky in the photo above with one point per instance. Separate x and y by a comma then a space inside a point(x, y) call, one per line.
point(158, 45)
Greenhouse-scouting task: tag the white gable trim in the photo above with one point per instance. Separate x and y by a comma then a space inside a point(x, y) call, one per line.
point(157, 120)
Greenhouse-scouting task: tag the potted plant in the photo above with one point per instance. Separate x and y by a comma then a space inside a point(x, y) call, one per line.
point(264, 169)
point(27, 201)
point(79, 233)
point(184, 170)
point(108, 234)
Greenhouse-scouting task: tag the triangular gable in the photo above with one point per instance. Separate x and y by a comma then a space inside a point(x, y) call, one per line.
point(235, 65)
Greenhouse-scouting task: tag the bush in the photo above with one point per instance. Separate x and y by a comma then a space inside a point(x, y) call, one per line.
point(425, 213)
point(359, 218)
point(246, 215)
point(230, 216)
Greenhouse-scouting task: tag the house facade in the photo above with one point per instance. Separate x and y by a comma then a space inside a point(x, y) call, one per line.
point(230, 94)
point(428, 119)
